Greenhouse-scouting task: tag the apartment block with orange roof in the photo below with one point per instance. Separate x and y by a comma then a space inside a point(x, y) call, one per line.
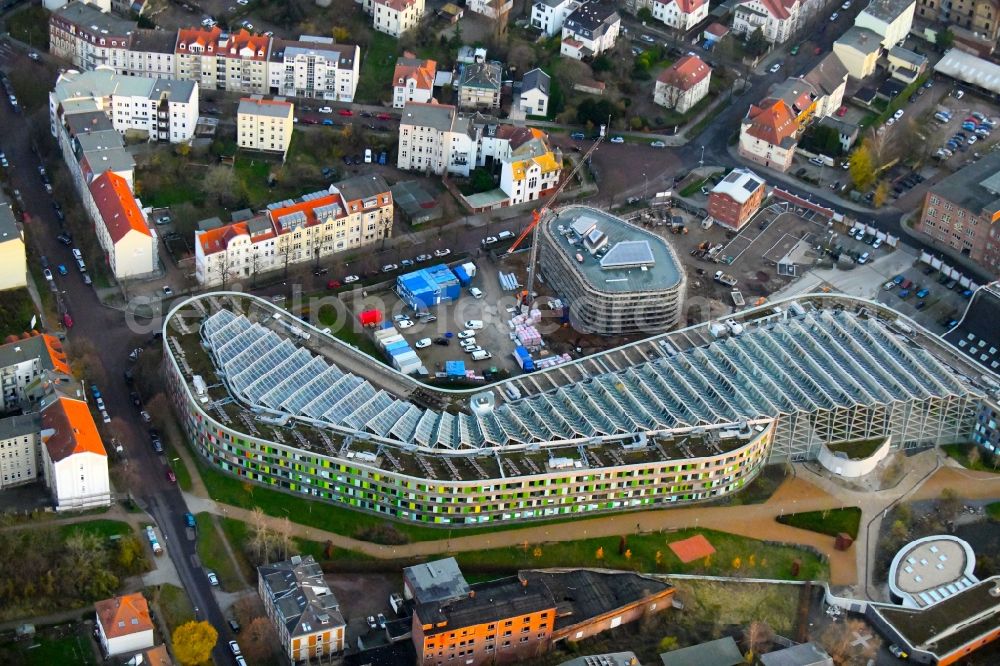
point(217, 60)
point(394, 17)
point(352, 214)
point(121, 227)
point(769, 134)
point(74, 460)
point(124, 624)
point(24, 364)
point(680, 14)
point(683, 84)
point(531, 169)
point(413, 81)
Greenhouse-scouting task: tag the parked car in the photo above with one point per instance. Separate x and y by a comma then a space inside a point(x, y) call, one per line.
point(345, 112)
point(617, 139)
point(48, 274)
point(658, 144)
point(388, 268)
point(444, 252)
point(923, 293)
point(423, 257)
point(467, 333)
point(325, 109)
point(422, 343)
point(372, 624)
point(213, 580)
point(834, 16)
point(842, 111)
point(774, 68)
point(579, 136)
point(171, 477)
point(348, 279)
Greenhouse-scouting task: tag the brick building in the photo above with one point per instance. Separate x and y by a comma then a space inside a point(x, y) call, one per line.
point(736, 198)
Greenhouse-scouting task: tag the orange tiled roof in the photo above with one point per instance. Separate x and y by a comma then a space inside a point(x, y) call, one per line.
point(780, 9)
point(421, 71)
point(216, 240)
point(207, 38)
point(688, 6)
point(56, 354)
point(772, 122)
point(210, 40)
point(686, 73)
point(124, 615)
point(307, 207)
point(117, 206)
point(72, 429)
point(242, 39)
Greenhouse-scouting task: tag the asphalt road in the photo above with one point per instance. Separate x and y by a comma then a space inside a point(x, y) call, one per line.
point(112, 338)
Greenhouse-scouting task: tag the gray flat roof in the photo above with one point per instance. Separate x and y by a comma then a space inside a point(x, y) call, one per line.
point(720, 652)
point(861, 39)
point(887, 10)
point(970, 69)
point(176, 90)
point(8, 223)
point(436, 581)
point(437, 116)
point(362, 187)
point(804, 654)
point(87, 122)
point(265, 107)
point(662, 274)
point(93, 20)
point(965, 188)
point(24, 424)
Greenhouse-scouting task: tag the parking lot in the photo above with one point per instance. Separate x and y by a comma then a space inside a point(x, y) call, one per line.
point(927, 296)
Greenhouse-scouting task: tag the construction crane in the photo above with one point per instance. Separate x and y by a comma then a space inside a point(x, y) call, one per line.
point(539, 214)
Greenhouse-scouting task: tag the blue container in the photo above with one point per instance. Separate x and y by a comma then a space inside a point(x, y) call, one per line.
point(463, 277)
point(455, 368)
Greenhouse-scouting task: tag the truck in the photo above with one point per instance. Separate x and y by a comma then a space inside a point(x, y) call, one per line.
point(737, 297)
point(724, 278)
point(200, 388)
point(524, 359)
point(153, 541)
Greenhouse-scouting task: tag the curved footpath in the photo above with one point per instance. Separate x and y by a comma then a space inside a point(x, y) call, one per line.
point(806, 491)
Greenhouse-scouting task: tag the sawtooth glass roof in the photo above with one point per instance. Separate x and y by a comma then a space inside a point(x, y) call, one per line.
point(820, 360)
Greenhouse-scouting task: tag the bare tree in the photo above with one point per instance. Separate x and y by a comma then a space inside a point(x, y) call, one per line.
point(223, 270)
point(757, 638)
point(838, 639)
point(221, 184)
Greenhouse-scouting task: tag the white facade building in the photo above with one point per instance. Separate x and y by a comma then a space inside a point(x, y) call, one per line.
point(549, 15)
point(413, 81)
point(490, 8)
point(590, 30)
point(534, 99)
point(683, 84)
point(20, 457)
point(121, 227)
point(777, 18)
point(436, 138)
point(891, 19)
point(680, 14)
point(83, 35)
point(73, 456)
point(265, 124)
point(394, 17)
point(314, 67)
point(124, 624)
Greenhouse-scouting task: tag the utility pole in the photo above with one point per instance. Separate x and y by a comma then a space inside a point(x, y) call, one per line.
point(701, 162)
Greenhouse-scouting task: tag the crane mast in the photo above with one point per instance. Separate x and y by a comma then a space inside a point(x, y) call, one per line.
point(539, 214)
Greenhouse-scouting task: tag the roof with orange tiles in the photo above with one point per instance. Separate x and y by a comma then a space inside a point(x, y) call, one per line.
point(780, 9)
point(119, 210)
point(717, 29)
point(421, 71)
point(206, 38)
point(686, 73)
point(772, 122)
point(240, 40)
point(56, 354)
point(124, 615)
point(686, 6)
point(218, 239)
point(68, 428)
point(213, 41)
point(46, 348)
point(307, 212)
point(158, 656)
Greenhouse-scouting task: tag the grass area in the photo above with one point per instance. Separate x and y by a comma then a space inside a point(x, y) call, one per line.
point(31, 26)
point(102, 527)
point(972, 457)
point(16, 311)
point(172, 194)
point(378, 62)
point(896, 103)
point(993, 510)
point(252, 174)
point(693, 187)
point(858, 449)
point(181, 470)
point(734, 556)
point(175, 607)
point(69, 644)
point(213, 555)
point(346, 332)
point(832, 522)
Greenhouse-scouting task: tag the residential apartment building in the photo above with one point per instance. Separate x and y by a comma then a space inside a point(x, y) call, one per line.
point(413, 81)
point(436, 138)
point(479, 85)
point(83, 35)
point(529, 168)
point(535, 87)
point(769, 134)
point(589, 30)
point(736, 198)
point(24, 366)
point(217, 60)
point(353, 213)
point(859, 50)
point(122, 228)
point(124, 624)
point(778, 19)
point(314, 67)
point(13, 260)
point(890, 19)
point(978, 16)
point(494, 9)
point(74, 462)
point(394, 17)
point(102, 5)
point(828, 79)
point(960, 213)
point(20, 454)
point(680, 14)
point(151, 54)
point(305, 613)
point(265, 124)
point(549, 15)
point(683, 84)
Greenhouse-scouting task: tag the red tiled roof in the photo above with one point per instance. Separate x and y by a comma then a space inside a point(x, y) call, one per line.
point(686, 73)
point(780, 9)
point(216, 240)
point(772, 122)
point(246, 40)
point(687, 6)
point(124, 615)
point(307, 207)
point(209, 40)
point(422, 73)
point(117, 206)
point(56, 354)
point(397, 5)
point(717, 29)
point(72, 429)
point(205, 37)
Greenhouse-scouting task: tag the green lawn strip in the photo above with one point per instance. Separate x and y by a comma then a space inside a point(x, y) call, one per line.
point(858, 449)
point(962, 453)
point(832, 522)
point(213, 555)
point(16, 310)
point(734, 556)
point(378, 62)
point(236, 532)
point(693, 188)
point(101, 527)
point(252, 173)
point(181, 471)
point(993, 510)
point(44, 651)
point(175, 607)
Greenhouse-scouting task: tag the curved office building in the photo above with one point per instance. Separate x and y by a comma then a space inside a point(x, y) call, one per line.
point(676, 418)
point(617, 278)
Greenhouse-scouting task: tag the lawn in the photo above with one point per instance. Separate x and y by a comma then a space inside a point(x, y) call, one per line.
point(252, 174)
point(832, 522)
point(858, 449)
point(346, 333)
point(993, 511)
point(977, 461)
point(378, 62)
point(171, 194)
point(30, 25)
point(213, 555)
point(693, 187)
point(734, 556)
point(74, 647)
point(101, 527)
point(175, 607)
point(181, 471)
point(16, 310)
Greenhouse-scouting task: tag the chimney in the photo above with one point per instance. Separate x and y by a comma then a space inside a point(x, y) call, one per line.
point(472, 594)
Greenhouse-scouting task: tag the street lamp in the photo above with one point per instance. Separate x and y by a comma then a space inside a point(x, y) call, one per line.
point(701, 162)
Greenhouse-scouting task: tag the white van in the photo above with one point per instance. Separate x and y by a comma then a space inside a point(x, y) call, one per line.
point(474, 324)
point(481, 355)
point(506, 235)
point(368, 155)
point(77, 254)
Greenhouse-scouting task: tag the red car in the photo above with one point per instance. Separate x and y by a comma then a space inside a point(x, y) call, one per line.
point(67, 320)
point(384, 116)
point(842, 111)
point(346, 112)
point(817, 50)
point(309, 121)
point(171, 477)
point(333, 284)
